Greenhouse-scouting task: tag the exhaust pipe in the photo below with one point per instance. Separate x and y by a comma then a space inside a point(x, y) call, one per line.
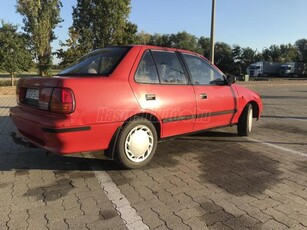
point(18, 140)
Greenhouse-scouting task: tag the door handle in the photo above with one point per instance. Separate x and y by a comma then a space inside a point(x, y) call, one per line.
point(150, 97)
point(203, 96)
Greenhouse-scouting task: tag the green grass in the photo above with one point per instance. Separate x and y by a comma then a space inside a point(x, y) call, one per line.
point(6, 75)
point(5, 79)
point(31, 73)
point(7, 82)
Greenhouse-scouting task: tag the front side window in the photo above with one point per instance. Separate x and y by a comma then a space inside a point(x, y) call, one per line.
point(169, 68)
point(98, 62)
point(202, 73)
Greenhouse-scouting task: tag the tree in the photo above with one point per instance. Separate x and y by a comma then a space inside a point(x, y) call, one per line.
point(273, 53)
point(130, 35)
point(143, 38)
point(40, 18)
point(160, 40)
point(223, 57)
point(301, 46)
point(73, 51)
point(249, 56)
point(204, 44)
point(288, 52)
point(184, 40)
point(101, 23)
point(237, 59)
point(14, 54)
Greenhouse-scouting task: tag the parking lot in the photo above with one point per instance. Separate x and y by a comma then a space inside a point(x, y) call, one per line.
point(210, 180)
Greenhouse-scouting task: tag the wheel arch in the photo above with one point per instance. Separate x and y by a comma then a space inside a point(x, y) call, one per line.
point(255, 106)
point(152, 118)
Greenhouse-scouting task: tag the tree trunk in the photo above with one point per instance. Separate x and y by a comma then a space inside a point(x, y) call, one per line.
point(12, 79)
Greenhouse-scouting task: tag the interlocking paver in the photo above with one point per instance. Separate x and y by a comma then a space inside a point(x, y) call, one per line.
point(152, 219)
point(230, 208)
point(299, 217)
point(255, 212)
point(219, 226)
point(213, 218)
point(174, 222)
point(188, 213)
point(242, 222)
point(272, 225)
point(281, 217)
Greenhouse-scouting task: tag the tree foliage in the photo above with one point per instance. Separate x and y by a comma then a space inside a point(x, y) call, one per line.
point(230, 59)
point(73, 49)
point(97, 24)
point(183, 40)
point(40, 18)
point(15, 55)
point(301, 46)
point(101, 23)
point(223, 57)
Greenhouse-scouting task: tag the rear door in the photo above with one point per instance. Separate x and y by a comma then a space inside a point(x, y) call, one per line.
point(161, 87)
point(216, 101)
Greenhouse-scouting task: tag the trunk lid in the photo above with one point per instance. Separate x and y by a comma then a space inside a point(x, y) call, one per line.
point(36, 92)
point(38, 82)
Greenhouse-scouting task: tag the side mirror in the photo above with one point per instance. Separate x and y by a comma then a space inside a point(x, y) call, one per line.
point(231, 79)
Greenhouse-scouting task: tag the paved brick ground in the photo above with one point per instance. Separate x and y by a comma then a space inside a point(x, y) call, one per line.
point(213, 180)
point(40, 191)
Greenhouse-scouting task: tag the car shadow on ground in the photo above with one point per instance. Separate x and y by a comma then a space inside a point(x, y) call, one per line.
point(284, 117)
point(36, 159)
point(225, 164)
point(231, 164)
point(285, 127)
point(282, 97)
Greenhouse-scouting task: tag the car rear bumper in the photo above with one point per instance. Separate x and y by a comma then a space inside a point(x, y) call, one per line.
point(58, 137)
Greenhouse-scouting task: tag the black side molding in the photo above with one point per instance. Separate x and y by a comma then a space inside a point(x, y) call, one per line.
point(67, 130)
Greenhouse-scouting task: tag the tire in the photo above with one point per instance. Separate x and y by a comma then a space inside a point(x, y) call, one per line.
point(137, 143)
point(245, 123)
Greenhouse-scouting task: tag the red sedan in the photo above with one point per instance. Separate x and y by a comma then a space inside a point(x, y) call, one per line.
point(125, 99)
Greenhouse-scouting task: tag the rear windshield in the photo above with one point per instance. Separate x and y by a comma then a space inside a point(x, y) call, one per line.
point(99, 62)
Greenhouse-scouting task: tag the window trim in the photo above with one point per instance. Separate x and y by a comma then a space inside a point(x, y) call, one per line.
point(147, 83)
point(181, 62)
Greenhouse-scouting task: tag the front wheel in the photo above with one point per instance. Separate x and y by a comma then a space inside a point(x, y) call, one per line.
point(245, 123)
point(136, 144)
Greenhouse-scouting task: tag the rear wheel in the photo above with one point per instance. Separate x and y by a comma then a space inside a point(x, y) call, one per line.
point(245, 123)
point(136, 144)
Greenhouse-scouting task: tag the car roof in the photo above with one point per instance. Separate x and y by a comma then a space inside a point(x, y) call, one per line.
point(156, 48)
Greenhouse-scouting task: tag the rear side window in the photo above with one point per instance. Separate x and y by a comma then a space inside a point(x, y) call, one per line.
point(147, 72)
point(99, 62)
point(169, 67)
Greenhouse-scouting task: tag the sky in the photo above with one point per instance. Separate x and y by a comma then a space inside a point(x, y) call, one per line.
point(249, 23)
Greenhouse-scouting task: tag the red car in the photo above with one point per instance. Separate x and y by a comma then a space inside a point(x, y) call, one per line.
point(125, 99)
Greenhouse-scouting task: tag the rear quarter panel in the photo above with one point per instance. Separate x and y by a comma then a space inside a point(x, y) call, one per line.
point(104, 99)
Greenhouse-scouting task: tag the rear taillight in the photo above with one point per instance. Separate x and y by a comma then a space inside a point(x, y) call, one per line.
point(62, 101)
point(56, 100)
point(44, 98)
point(20, 94)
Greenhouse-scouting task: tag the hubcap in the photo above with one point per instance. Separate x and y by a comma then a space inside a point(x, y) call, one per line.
point(139, 143)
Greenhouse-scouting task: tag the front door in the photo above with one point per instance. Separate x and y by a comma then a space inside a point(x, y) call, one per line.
point(216, 101)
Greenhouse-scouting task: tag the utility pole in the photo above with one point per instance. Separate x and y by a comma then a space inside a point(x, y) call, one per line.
point(212, 32)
